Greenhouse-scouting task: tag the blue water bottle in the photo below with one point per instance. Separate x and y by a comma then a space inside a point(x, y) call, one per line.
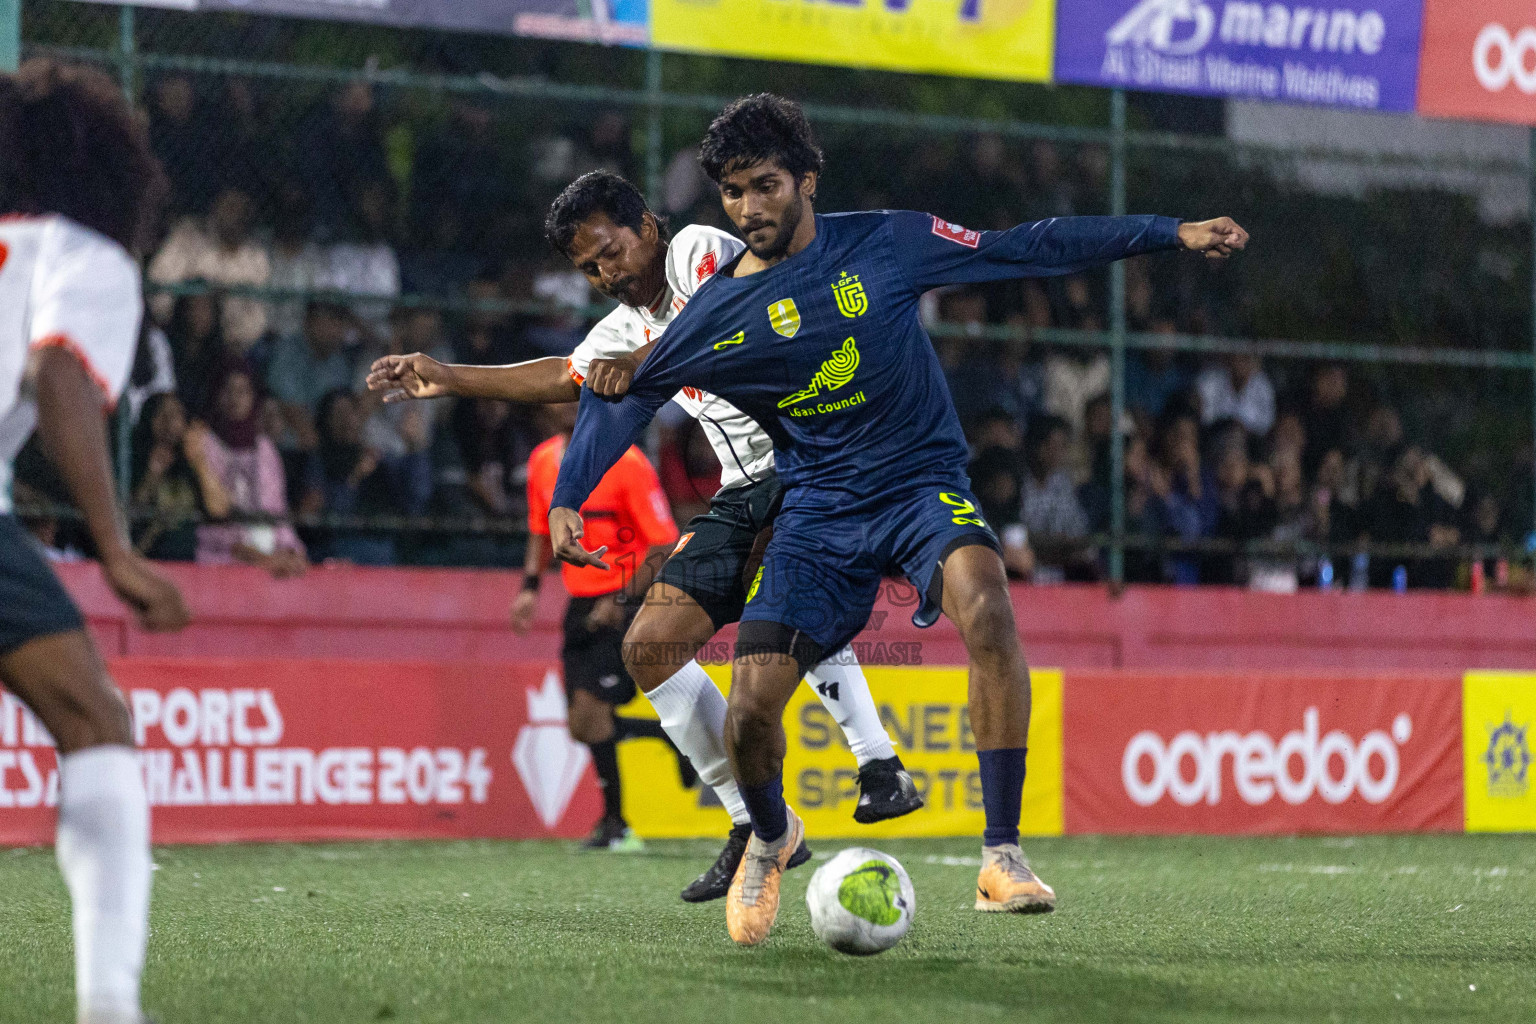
point(1325, 574)
point(1400, 579)
point(1359, 571)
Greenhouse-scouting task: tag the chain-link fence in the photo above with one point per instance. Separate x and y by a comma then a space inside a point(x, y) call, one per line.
point(1361, 381)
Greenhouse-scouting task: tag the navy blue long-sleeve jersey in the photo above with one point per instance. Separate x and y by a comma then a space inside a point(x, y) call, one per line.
point(827, 352)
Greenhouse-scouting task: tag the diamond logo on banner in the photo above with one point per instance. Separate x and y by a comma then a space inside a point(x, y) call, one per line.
point(548, 761)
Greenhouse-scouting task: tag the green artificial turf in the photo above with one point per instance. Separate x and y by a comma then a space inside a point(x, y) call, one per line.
point(1190, 929)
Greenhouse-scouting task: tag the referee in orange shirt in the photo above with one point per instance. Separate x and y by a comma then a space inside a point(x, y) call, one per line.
point(629, 514)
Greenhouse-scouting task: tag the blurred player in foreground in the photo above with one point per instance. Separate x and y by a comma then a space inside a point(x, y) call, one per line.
point(600, 221)
point(814, 332)
point(78, 186)
point(631, 513)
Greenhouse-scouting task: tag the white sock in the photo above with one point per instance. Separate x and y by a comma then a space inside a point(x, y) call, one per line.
point(692, 711)
point(840, 683)
point(103, 852)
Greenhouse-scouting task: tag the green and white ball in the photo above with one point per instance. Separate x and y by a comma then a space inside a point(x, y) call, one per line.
point(861, 902)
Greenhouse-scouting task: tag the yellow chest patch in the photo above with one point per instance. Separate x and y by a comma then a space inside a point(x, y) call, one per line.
point(784, 317)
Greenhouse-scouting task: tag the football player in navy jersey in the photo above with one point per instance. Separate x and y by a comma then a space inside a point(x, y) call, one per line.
point(814, 332)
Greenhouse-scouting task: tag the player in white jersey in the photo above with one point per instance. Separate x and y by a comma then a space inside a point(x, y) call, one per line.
point(602, 224)
point(77, 182)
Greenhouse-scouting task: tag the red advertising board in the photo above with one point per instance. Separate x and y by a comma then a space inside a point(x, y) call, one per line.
point(1147, 752)
point(1479, 60)
point(300, 750)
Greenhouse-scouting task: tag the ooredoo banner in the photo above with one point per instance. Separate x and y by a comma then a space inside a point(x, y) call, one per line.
point(297, 750)
point(1479, 60)
point(1347, 53)
point(1163, 753)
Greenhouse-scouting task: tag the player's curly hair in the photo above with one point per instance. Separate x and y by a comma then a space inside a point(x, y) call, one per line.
point(70, 144)
point(762, 128)
point(595, 192)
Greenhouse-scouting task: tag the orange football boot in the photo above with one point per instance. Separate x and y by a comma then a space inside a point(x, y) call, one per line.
point(1006, 884)
point(752, 905)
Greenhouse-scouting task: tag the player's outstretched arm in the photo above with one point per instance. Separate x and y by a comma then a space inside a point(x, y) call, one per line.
point(932, 252)
point(69, 423)
point(538, 381)
point(1217, 238)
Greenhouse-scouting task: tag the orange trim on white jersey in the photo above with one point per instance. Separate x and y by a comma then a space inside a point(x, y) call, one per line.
point(71, 346)
point(571, 369)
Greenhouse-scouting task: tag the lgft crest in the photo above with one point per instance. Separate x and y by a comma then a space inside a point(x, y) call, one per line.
point(851, 300)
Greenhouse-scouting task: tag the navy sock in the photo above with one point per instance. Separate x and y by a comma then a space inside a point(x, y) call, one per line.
point(1002, 791)
point(770, 815)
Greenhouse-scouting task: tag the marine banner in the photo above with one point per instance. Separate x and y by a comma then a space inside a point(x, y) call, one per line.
point(1006, 39)
point(924, 711)
point(1149, 752)
point(1479, 60)
point(1346, 53)
point(301, 750)
point(1498, 709)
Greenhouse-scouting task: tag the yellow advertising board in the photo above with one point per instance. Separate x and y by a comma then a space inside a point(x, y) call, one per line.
point(924, 710)
point(1498, 710)
point(1010, 39)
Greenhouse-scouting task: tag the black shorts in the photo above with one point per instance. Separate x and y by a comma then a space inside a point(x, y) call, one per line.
point(33, 602)
point(594, 659)
point(713, 557)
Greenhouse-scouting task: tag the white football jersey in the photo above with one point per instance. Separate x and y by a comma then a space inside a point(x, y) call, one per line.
point(744, 450)
point(63, 285)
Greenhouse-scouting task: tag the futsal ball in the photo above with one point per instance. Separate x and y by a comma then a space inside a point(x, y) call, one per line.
point(861, 902)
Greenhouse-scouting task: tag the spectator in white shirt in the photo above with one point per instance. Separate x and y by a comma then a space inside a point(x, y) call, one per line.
point(1237, 388)
point(365, 263)
point(218, 249)
point(298, 263)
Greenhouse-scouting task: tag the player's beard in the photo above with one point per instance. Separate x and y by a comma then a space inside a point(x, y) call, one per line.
point(778, 245)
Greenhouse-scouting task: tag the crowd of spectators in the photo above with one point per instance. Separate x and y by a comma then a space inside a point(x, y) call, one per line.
point(1231, 479)
point(249, 410)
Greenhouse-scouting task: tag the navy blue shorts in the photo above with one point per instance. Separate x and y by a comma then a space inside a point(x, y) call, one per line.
point(821, 572)
point(32, 600)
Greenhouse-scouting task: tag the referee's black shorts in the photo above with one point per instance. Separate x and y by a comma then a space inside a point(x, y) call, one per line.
point(594, 658)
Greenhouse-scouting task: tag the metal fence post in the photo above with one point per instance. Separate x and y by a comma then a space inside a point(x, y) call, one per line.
point(127, 70)
point(1117, 348)
point(128, 51)
point(10, 35)
point(653, 128)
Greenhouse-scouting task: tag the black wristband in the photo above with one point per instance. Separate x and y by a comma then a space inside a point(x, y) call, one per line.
point(531, 581)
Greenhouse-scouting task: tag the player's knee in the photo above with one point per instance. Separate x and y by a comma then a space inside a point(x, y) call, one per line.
point(755, 705)
point(649, 657)
point(586, 728)
point(588, 719)
point(88, 714)
point(987, 625)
